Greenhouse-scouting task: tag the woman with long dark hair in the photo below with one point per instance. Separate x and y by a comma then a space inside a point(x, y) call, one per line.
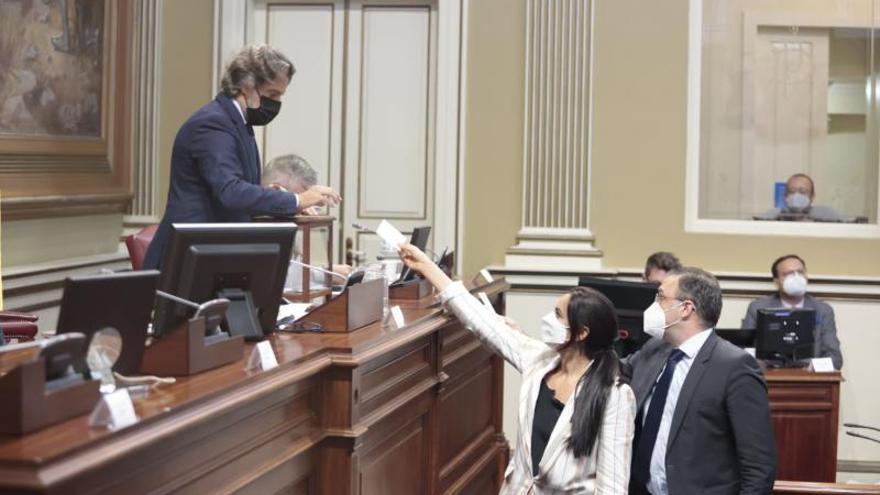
point(576, 419)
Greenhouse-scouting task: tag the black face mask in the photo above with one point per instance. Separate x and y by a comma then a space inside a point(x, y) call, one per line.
point(268, 110)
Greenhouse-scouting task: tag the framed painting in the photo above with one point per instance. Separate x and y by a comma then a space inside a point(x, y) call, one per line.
point(66, 74)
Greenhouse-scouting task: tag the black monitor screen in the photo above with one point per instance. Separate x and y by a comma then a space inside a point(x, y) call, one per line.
point(245, 263)
point(630, 299)
point(740, 337)
point(123, 301)
point(785, 333)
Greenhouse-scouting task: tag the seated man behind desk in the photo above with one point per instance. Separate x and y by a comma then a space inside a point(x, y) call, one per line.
point(800, 191)
point(790, 276)
point(292, 173)
point(659, 265)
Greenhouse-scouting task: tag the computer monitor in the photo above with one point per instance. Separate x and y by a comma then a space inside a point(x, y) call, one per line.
point(630, 300)
point(123, 301)
point(740, 337)
point(419, 239)
point(243, 262)
point(785, 334)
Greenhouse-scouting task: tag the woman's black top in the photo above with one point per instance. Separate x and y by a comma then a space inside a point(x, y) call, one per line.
point(547, 411)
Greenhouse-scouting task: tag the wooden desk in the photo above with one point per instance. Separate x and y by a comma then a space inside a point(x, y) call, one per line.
point(810, 488)
point(377, 411)
point(804, 407)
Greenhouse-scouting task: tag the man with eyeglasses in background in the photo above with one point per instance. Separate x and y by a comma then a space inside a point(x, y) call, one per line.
point(790, 277)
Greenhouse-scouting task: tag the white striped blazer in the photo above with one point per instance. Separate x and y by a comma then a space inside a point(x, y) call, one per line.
point(606, 469)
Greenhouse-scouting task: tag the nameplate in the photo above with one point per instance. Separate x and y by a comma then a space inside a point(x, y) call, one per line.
point(397, 316)
point(262, 357)
point(486, 275)
point(822, 365)
point(115, 410)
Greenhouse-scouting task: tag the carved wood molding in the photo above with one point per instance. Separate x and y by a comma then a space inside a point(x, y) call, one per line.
point(25, 208)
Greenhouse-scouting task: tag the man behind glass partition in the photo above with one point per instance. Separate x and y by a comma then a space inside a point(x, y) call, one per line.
point(799, 194)
point(790, 276)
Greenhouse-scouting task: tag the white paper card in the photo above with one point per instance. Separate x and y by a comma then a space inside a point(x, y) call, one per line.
point(822, 365)
point(115, 410)
point(485, 300)
point(262, 357)
point(750, 351)
point(296, 310)
point(397, 314)
point(486, 275)
point(389, 234)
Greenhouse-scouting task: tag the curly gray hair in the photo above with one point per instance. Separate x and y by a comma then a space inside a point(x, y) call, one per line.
point(254, 66)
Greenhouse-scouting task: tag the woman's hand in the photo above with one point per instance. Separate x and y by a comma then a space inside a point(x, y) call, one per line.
point(415, 258)
point(418, 261)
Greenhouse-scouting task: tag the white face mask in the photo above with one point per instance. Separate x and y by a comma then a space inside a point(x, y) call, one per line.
point(795, 285)
point(553, 332)
point(654, 320)
point(798, 201)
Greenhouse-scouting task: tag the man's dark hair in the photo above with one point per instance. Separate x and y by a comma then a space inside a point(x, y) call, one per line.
point(662, 260)
point(700, 287)
point(774, 268)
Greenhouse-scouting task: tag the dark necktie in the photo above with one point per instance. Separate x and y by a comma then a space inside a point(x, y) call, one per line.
point(253, 153)
point(646, 436)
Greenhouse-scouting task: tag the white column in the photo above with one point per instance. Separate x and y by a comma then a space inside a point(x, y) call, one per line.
point(145, 159)
point(555, 232)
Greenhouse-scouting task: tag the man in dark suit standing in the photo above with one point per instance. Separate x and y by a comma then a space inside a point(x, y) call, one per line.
point(790, 276)
point(215, 163)
point(703, 423)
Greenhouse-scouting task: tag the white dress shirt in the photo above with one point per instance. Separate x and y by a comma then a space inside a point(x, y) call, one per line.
point(799, 305)
point(690, 348)
point(240, 111)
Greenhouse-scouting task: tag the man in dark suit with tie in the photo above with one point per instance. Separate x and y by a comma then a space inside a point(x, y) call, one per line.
point(215, 163)
point(790, 276)
point(703, 423)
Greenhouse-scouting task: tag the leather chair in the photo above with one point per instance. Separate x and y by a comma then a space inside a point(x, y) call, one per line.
point(137, 245)
point(18, 327)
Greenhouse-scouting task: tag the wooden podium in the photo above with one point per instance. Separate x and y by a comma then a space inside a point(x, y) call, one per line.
point(804, 407)
point(377, 411)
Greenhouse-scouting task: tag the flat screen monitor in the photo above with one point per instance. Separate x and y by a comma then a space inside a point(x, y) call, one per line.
point(243, 262)
point(123, 301)
point(740, 337)
point(419, 239)
point(630, 299)
point(785, 334)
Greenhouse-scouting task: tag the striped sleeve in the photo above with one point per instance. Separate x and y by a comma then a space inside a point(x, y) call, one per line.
point(515, 347)
point(614, 449)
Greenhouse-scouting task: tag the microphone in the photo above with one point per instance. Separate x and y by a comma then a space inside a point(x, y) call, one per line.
point(864, 437)
point(179, 300)
point(854, 425)
point(362, 228)
point(322, 270)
